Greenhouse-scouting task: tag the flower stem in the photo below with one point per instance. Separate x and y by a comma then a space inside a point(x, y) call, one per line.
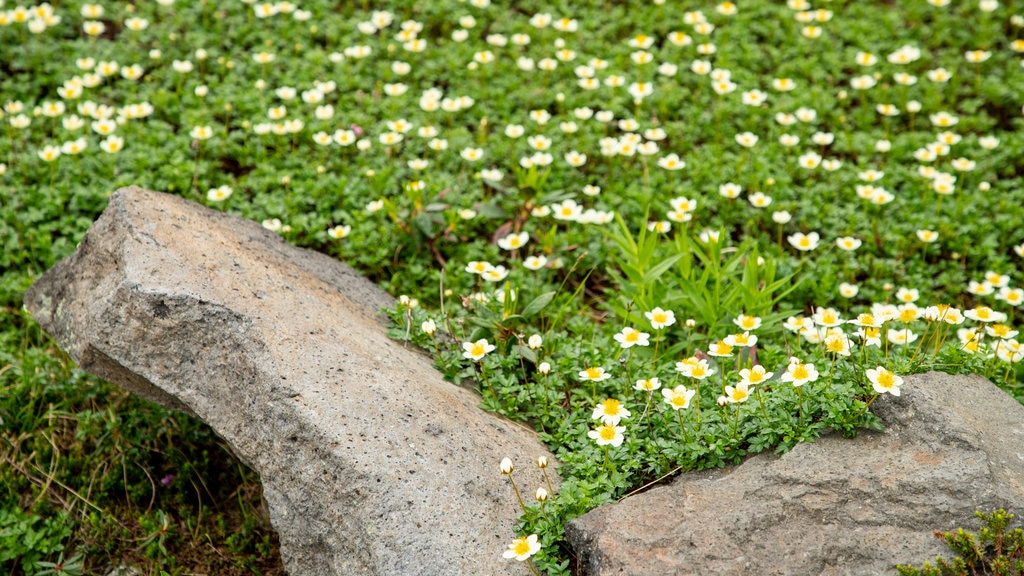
point(518, 496)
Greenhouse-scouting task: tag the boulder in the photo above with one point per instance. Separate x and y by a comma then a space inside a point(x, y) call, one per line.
point(371, 463)
point(952, 445)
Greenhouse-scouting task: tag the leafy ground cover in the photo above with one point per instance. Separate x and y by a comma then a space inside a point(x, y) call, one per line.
point(664, 237)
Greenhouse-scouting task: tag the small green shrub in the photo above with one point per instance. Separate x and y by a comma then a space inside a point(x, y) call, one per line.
point(993, 550)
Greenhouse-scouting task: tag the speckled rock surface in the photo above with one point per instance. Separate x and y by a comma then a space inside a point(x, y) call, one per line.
point(953, 445)
point(371, 463)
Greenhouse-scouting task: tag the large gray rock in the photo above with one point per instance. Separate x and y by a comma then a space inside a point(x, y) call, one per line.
point(953, 445)
point(371, 463)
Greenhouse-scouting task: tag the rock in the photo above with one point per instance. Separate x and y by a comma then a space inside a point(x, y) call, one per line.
point(952, 445)
point(371, 463)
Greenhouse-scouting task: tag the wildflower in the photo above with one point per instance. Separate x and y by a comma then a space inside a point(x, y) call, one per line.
point(648, 384)
point(746, 322)
point(607, 434)
point(660, 227)
point(826, 317)
point(755, 375)
point(478, 267)
point(745, 340)
point(759, 200)
point(943, 119)
point(671, 162)
point(901, 337)
point(848, 243)
point(737, 394)
point(746, 139)
point(783, 84)
point(49, 153)
point(692, 367)
point(983, 288)
point(809, 161)
point(660, 318)
point(495, 274)
point(720, 348)
point(870, 336)
point(535, 262)
point(514, 241)
point(985, 314)
point(201, 132)
point(339, 232)
point(1000, 331)
point(708, 236)
point(476, 351)
point(907, 312)
point(112, 144)
point(522, 548)
point(730, 190)
point(798, 323)
point(1012, 296)
point(945, 313)
point(630, 337)
point(219, 194)
point(678, 397)
point(837, 344)
point(610, 411)
point(977, 56)
point(535, 342)
point(883, 380)
point(1010, 351)
point(804, 242)
point(472, 154)
point(428, 327)
point(847, 290)
point(594, 374)
point(927, 236)
point(799, 373)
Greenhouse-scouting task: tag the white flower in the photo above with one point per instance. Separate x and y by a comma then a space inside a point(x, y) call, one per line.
point(660, 318)
point(804, 242)
point(514, 241)
point(476, 351)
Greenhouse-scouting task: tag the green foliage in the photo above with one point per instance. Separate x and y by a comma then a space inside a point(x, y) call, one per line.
point(27, 539)
point(380, 180)
point(993, 550)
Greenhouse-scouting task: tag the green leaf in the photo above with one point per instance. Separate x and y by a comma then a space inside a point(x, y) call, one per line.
point(538, 304)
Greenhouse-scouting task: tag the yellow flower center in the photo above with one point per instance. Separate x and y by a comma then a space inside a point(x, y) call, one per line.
point(611, 407)
point(607, 432)
point(886, 379)
point(800, 372)
point(522, 547)
point(593, 373)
